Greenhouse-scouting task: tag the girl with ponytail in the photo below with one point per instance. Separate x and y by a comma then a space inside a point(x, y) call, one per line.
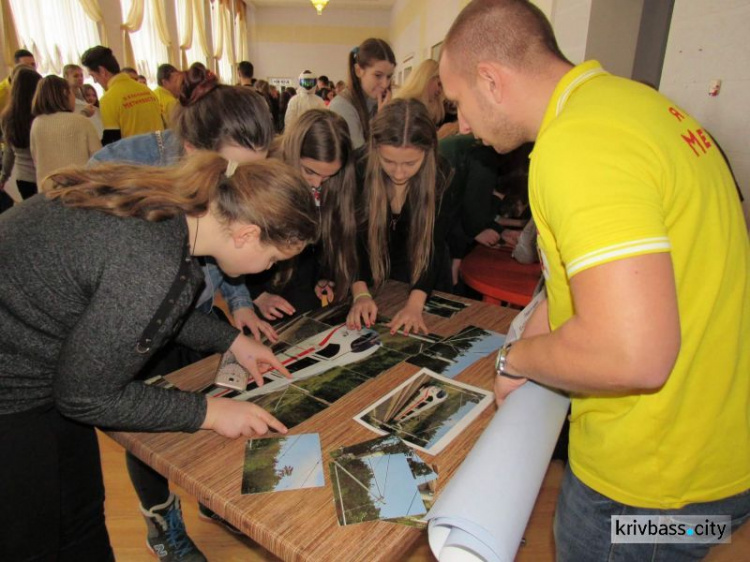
point(97, 277)
point(235, 122)
point(371, 67)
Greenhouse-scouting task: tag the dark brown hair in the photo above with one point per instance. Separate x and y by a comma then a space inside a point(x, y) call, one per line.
point(52, 96)
point(212, 115)
point(320, 134)
point(16, 118)
point(370, 52)
point(265, 193)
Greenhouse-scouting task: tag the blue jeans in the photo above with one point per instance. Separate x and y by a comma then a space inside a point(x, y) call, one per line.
point(583, 526)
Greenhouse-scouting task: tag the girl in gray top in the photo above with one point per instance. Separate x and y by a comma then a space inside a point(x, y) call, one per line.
point(96, 278)
point(371, 67)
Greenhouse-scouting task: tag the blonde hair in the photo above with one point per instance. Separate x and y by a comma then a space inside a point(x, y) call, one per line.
point(416, 88)
point(268, 194)
point(401, 123)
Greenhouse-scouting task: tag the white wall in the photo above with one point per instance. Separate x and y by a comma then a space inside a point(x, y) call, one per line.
point(707, 41)
point(570, 19)
point(285, 41)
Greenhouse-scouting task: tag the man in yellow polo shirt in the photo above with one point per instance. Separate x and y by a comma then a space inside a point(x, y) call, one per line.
point(21, 56)
point(646, 257)
point(128, 108)
point(168, 90)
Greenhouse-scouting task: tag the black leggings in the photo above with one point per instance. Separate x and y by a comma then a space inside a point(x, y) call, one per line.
point(51, 490)
point(152, 488)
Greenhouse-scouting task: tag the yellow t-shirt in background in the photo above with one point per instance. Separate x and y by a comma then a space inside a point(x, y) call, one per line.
point(4, 92)
point(617, 171)
point(130, 106)
point(167, 102)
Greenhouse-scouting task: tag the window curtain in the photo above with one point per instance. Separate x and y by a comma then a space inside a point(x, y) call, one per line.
point(10, 44)
point(222, 27)
point(94, 12)
point(132, 23)
point(191, 24)
point(160, 22)
point(240, 31)
point(44, 29)
point(143, 40)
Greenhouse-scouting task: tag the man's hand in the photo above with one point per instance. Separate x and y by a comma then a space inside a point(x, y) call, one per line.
point(510, 237)
point(504, 386)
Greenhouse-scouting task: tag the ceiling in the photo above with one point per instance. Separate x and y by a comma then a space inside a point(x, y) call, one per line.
point(358, 4)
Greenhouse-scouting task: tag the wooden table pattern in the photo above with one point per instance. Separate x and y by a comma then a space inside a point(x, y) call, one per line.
point(301, 524)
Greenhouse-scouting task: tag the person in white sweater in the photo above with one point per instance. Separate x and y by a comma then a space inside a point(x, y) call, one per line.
point(59, 137)
point(304, 100)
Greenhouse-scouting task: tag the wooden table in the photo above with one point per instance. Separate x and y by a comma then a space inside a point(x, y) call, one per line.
point(500, 278)
point(302, 525)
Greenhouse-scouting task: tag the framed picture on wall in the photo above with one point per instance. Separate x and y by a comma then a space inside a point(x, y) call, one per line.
point(435, 51)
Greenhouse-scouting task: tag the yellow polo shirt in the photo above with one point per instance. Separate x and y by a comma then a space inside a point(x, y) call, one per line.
point(130, 106)
point(617, 171)
point(167, 102)
point(4, 92)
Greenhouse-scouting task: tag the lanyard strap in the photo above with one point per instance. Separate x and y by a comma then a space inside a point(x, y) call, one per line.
point(157, 321)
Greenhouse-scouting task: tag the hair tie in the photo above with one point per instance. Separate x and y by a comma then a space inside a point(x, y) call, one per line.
point(231, 168)
point(355, 51)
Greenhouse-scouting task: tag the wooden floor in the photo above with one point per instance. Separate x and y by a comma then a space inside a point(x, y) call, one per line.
point(127, 529)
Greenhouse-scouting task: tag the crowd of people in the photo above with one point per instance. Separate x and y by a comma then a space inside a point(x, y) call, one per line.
point(152, 201)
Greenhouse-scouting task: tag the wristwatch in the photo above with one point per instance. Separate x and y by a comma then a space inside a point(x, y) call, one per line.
point(501, 362)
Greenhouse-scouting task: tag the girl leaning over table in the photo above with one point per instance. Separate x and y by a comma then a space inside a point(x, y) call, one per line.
point(318, 145)
point(98, 275)
point(405, 212)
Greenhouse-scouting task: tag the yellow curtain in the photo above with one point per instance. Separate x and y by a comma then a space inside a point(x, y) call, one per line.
point(217, 30)
point(10, 44)
point(94, 12)
point(199, 20)
point(160, 20)
point(131, 25)
point(186, 37)
point(241, 35)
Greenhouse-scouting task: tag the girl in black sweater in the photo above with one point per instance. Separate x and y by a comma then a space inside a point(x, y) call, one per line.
point(405, 212)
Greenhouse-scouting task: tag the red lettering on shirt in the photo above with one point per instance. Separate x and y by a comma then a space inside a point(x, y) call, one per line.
point(676, 112)
point(702, 136)
point(700, 141)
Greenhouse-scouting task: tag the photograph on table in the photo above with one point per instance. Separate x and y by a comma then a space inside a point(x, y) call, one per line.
point(374, 487)
point(301, 329)
point(443, 306)
point(425, 476)
point(408, 344)
point(276, 464)
point(454, 354)
point(427, 411)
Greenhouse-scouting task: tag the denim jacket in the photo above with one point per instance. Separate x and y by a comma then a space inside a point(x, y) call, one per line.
point(163, 148)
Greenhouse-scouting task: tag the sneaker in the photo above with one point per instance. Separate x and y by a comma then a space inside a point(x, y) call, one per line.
point(167, 537)
point(208, 515)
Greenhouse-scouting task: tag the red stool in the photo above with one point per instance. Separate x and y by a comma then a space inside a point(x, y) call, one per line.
point(499, 277)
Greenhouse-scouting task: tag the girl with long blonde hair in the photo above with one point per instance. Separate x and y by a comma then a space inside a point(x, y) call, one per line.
point(318, 145)
point(89, 298)
point(404, 214)
point(424, 85)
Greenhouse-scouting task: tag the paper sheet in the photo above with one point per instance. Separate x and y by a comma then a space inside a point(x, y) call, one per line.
point(482, 513)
